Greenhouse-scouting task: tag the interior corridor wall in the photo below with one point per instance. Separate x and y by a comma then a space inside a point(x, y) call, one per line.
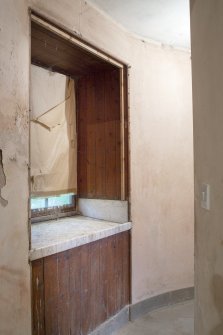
point(207, 73)
point(161, 155)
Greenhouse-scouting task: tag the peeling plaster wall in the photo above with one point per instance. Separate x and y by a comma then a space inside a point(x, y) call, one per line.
point(161, 147)
point(207, 70)
point(14, 128)
point(161, 154)
point(3, 202)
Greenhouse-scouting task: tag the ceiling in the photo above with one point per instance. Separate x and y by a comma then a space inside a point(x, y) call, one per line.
point(165, 21)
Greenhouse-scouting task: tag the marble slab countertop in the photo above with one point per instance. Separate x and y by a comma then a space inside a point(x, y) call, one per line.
point(51, 237)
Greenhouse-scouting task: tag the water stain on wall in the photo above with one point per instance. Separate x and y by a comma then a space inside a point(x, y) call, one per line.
point(3, 202)
point(217, 293)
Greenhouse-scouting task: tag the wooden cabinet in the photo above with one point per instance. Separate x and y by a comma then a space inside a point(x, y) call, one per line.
point(75, 291)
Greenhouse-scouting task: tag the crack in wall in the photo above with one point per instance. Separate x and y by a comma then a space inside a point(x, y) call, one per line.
point(3, 201)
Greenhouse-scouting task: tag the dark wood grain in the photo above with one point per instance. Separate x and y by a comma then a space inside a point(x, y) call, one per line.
point(103, 280)
point(112, 136)
point(98, 124)
point(81, 288)
point(63, 294)
point(38, 301)
point(52, 51)
point(51, 295)
point(90, 132)
point(126, 130)
point(100, 154)
point(98, 111)
point(75, 290)
point(126, 268)
point(111, 276)
point(85, 306)
point(81, 105)
point(119, 260)
point(95, 288)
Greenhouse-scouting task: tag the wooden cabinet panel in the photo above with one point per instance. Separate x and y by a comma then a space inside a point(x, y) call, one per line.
point(99, 135)
point(50, 270)
point(38, 300)
point(75, 291)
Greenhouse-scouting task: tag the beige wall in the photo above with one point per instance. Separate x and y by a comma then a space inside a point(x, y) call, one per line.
point(14, 110)
point(161, 154)
point(162, 173)
point(207, 69)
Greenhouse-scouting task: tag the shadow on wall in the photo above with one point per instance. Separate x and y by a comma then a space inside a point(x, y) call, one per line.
point(217, 292)
point(192, 2)
point(3, 202)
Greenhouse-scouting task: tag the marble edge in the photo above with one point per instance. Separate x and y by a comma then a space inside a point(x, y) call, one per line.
point(77, 241)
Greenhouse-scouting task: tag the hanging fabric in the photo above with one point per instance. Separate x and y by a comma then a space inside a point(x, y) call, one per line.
point(53, 134)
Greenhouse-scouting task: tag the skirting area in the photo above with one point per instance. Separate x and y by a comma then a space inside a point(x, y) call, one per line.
point(162, 300)
point(113, 324)
point(140, 309)
point(171, 320)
